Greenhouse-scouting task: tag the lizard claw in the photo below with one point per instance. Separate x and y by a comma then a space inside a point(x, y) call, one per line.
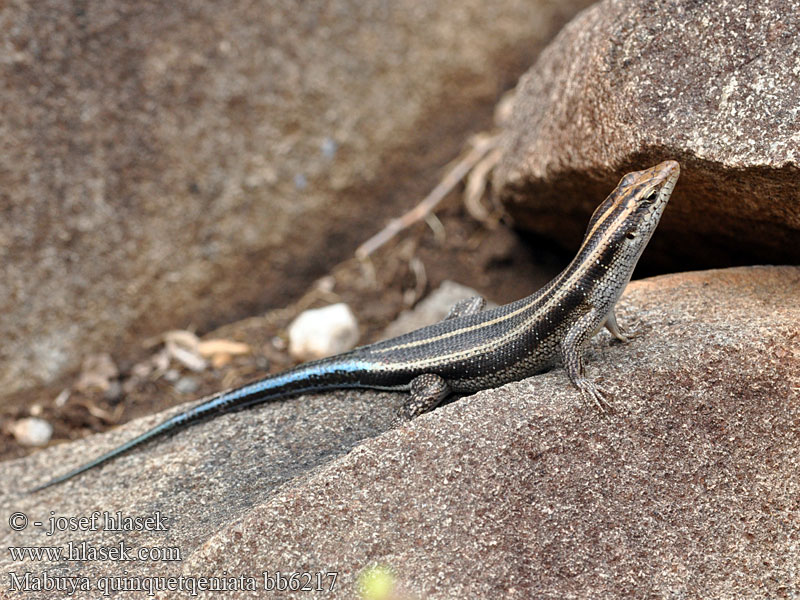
point(619, 332)
point(627, 334)
point(595, 396)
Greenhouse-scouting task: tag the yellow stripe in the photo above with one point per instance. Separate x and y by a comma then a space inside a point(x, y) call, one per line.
point(524, 325)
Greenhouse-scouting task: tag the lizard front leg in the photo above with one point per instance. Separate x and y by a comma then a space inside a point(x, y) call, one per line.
point(614, 328)
point(572, 346)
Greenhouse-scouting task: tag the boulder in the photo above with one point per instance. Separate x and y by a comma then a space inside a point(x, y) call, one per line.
point(689, 490)
point(172, 162)
point(629, 83)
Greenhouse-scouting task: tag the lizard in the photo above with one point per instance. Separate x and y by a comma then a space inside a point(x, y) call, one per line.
point(472, 348)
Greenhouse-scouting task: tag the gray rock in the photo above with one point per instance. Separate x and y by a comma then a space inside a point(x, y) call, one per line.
point(629, 83)
point(433, 308)
point(690, 490)
point(172, 162)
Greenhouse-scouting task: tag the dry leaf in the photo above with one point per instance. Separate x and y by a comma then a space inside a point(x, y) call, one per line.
point(211, 347)
point(97, 372)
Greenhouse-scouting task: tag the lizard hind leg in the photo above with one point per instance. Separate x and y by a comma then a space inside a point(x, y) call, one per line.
point(426, 392)
point(467, 306)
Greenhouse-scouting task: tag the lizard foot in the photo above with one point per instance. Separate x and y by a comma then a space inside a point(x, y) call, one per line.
point(595, 396)
point(426, 392)
point(622, 334)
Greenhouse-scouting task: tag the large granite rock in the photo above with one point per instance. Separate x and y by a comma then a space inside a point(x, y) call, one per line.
point(690, 490)
point(177, 162)
point(629, 83)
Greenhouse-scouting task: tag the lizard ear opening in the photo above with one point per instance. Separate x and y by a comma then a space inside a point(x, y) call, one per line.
point(630, 235)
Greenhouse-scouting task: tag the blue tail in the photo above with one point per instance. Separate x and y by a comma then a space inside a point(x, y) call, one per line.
point(316, 376)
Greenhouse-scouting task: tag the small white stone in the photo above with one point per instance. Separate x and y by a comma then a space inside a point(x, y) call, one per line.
point(32, 431)
point(322, 332)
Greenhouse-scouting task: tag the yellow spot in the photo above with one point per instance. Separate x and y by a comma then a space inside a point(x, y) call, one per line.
point(376, 583)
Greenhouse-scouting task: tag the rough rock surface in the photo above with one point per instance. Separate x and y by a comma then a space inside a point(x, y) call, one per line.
point(156, 155)
point(628, 83)
point(690, 490)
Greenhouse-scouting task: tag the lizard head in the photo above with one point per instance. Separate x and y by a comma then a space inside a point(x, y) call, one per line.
point(625, 221)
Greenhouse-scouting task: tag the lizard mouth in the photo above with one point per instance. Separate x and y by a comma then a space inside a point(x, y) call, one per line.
point(669, 170)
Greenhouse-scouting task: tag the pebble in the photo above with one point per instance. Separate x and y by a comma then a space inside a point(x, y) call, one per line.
point(32, 431)
point(322, 332)
point(186, 385)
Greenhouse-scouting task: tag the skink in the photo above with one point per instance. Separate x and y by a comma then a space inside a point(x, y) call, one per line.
point(475, 349)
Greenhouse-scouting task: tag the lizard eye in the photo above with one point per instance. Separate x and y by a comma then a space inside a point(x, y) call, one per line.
point(651, 197)
point(630, 235)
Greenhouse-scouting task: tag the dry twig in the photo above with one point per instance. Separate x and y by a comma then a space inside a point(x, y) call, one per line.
point(482, 145)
